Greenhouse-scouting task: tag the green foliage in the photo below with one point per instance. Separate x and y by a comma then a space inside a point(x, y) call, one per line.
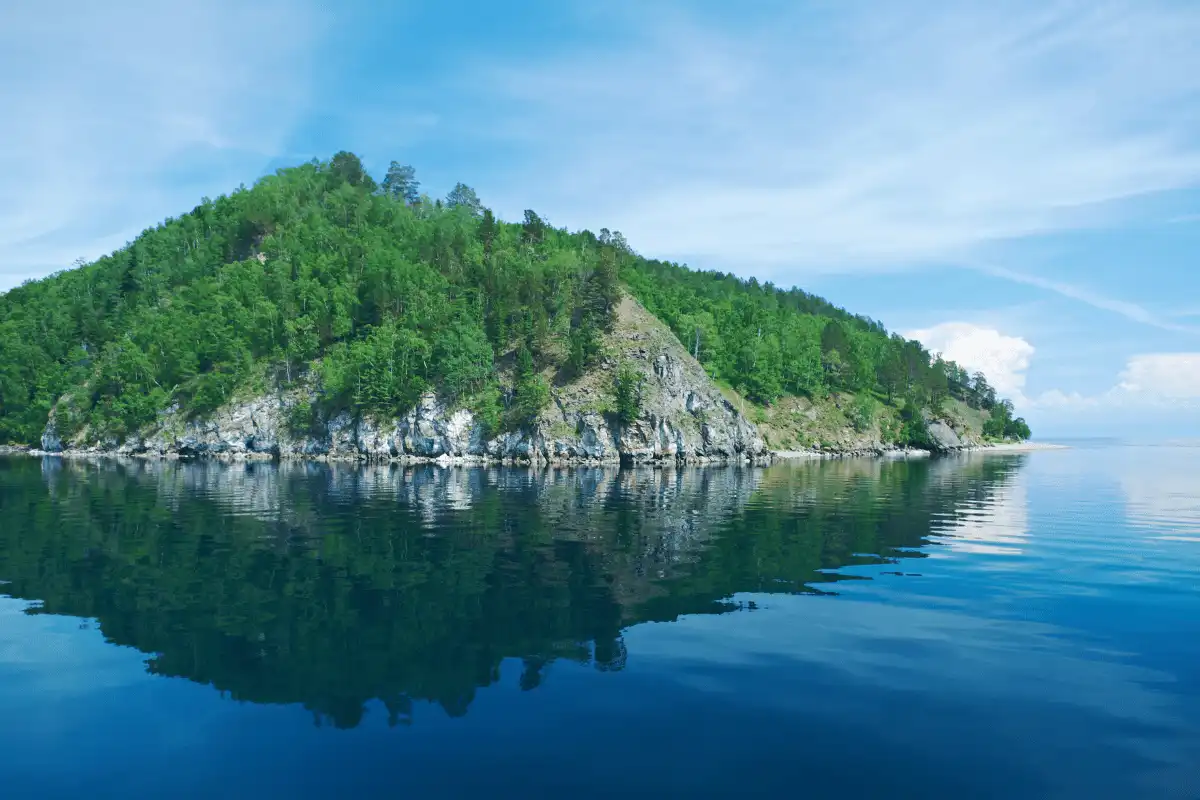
point(531, 394)
point(347, 167)
point(384, 371)
point(302, 419)
point(767, 342)
point(862, 413)
point(628, 393)
point(401, 183)
point(487, 407)
point(533, 230)
point(462, 359)
point(389, 295)
point(464, 197)
point(914, 431)
point(1002, 425)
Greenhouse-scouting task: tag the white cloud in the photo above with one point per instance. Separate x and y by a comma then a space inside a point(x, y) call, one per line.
point(119, 114)
point(863, 136)
point(1169, 376)
point(998, 527)
point(1056, 398)
point(1003, 359)
point(1166, 381)
point(1160, 491)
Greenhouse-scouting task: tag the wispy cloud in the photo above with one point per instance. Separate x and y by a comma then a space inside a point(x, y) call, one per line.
point(1131, 311)
point(860, 135)
point(118, 114)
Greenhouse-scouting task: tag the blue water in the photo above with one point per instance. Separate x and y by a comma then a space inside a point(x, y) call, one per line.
point(995, 625)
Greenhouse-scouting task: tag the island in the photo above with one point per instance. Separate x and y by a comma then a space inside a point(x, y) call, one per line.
point(321, 314)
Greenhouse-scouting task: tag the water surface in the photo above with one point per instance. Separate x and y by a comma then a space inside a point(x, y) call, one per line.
point(995, 625)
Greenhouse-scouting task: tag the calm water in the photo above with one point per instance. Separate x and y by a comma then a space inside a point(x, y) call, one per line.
point(990, 626)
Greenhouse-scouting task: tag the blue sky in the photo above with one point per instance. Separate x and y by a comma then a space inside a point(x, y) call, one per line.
point(1015, 183)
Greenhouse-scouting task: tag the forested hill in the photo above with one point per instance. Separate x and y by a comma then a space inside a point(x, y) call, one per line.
point(377, 293)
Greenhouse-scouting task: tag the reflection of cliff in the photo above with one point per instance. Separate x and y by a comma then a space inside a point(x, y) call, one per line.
point(331, 586)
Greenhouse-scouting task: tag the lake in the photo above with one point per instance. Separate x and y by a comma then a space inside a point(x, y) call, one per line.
point(1012, 625)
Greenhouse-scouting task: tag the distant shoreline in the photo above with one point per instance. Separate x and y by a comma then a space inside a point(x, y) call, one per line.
point(1001, 447)
point(1017, 447)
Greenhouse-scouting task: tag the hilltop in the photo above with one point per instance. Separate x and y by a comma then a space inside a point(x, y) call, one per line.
point(322, 314)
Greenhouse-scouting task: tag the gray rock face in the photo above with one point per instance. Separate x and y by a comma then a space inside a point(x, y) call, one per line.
point(683, 415)
point(681, 425)
point(944, 437)
point(51, 441)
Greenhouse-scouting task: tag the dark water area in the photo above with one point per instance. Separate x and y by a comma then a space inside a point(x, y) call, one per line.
point(986, 626)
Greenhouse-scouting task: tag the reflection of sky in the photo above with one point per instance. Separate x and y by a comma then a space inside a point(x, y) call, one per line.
point(847, 696)
point(997, 527)
point(51, 657)
point(1162, 490)
point(1044, 696)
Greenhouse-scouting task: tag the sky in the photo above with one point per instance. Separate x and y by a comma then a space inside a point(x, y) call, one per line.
point(1015, 184)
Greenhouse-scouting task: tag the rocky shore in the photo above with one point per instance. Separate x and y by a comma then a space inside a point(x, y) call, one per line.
point(683, 418)
point(764, 458)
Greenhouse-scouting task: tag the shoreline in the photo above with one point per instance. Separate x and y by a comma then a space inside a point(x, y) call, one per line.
point(1017, 447)
point(765, 459)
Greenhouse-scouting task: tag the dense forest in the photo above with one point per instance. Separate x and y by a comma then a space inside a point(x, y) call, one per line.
point(377, 293)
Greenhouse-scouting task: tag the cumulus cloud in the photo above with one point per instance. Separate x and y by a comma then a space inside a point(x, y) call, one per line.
point(119, 114)
point(866, 136)
point(1150, 380)
point(1003, 359)
point(1169, 376)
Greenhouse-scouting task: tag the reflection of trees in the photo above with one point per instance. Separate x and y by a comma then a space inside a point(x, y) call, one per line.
point(331, 586)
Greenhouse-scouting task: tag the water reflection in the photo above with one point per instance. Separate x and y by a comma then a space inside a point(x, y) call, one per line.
point(332, 586)
point(1161, 494)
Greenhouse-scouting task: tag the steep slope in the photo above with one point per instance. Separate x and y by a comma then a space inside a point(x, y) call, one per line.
point(681, 416)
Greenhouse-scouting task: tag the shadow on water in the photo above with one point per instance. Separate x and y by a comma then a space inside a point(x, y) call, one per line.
point(332, 586)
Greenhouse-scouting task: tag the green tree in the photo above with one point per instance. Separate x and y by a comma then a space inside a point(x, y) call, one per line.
point(462, 359)
point(401, 183)
point(532, 392)
point(348, 167)
point(534, 228)
point(464, 197)
point(487, 231)
point(862, 413)
point(629, 393)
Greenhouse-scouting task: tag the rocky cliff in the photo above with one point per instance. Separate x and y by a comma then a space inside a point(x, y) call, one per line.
point(683, 417)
